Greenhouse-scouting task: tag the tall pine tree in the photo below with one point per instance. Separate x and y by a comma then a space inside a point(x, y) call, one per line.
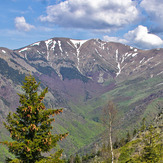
point(30, 127)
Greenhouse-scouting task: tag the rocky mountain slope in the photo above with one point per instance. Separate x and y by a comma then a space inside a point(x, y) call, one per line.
point(81, 76)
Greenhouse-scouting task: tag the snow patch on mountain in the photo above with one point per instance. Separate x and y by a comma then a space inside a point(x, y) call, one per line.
point(123, 58)
point(148, 60)
point(36, 44)
point(78, 42)
point(78, 51)
point(69, 44)
point(160, 73)
point(98, 53)
point(155, 64)
point(48, 42)
point(129, 54)
point(102, 45)
point(3, 51)
point(126, 55)
point(133, 55)
point(23, 49)
point(66, 54)
point(59, 43)
point(38, 52)
point(142, 60)
point(118, 66)
point(53, 46)
point(25, 56)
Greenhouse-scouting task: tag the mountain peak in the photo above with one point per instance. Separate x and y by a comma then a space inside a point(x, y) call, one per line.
point(94, 57)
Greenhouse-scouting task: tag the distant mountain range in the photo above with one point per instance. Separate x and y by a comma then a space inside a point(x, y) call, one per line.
point(82, 75)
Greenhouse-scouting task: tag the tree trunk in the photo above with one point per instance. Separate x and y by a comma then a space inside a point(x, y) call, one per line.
point(111, 143)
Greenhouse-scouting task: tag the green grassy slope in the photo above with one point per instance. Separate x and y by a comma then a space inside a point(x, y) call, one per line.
point(134, 99)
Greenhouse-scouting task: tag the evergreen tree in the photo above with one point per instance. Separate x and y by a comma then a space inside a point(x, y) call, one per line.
point(122, 142)
point(128, 137)
point(150, 153)
point(77, 159)
point(30, 127)
point(143, 126)
point(134, 132)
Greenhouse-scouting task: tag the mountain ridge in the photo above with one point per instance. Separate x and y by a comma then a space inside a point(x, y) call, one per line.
point(81, 76)
point(117, 60)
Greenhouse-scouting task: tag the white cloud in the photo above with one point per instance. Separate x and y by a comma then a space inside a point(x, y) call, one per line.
point(139, 37)
point(21, 25)
point(155, 13)
point(143, 39)
point(114, 39)
point(89, 14)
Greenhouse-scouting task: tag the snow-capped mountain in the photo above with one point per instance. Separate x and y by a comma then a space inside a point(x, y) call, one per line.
point(81, 75)
point(95, 59)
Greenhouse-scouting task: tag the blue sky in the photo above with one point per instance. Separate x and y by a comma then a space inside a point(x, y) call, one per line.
point(137, 23)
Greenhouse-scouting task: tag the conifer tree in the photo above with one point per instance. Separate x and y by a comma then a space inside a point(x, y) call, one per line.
point(150, 153)
point(143, 127)
point(134, 132)
point(77, 159)
point(128, 137)
point(30, 127)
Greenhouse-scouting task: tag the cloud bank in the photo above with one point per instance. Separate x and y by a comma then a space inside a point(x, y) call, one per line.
point(88, 14)
point(139, 37)
point(21, 25)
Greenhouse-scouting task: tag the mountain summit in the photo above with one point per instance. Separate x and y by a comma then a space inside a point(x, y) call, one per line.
point(95, 59)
